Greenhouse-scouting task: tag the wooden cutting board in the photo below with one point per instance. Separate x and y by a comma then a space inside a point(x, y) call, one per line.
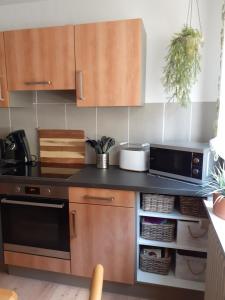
point(61, 147)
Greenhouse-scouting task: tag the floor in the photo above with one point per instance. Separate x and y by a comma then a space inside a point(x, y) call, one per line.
point(32, 289)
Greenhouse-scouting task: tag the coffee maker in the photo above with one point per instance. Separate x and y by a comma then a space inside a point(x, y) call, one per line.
point(16, 148)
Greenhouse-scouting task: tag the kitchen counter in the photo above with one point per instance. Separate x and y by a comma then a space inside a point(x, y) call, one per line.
point(114, 178)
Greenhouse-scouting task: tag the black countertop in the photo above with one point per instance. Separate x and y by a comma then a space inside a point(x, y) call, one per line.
point(114, 178)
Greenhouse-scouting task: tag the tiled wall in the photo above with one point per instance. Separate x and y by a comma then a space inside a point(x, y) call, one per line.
point(155, 122)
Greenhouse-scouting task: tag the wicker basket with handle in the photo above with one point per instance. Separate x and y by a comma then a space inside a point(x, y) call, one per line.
point(152, 264)
point(158, 203)
point(158, 232)
point(192, 206)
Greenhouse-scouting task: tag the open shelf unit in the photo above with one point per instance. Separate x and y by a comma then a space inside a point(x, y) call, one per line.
point(175, 215)
point(170, 279)
point(171, 245)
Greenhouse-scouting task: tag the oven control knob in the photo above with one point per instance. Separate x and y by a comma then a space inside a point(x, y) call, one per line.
point(195, 171)
point(18, 189)
point(196, 160)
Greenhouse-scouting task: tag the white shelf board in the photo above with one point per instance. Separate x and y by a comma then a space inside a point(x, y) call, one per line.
point(172, 245)
point(174, 215)
point(169, 280)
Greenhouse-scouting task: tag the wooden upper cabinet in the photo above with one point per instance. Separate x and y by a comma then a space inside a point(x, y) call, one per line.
point(4, 96)
point(40, 59)
point(110, 63)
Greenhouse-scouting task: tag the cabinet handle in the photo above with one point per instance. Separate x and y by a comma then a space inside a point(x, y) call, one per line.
point(195, 236)
point(73, 226)
point(38, 82)
point(79, 85)
point(26, 203)
point(1, 97)
point(194, 272)
point(87, 197)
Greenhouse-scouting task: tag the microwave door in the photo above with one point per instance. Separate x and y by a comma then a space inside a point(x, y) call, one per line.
point(171, 161)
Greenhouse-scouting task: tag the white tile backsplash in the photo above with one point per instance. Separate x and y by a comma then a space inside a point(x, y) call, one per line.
point(153, 122)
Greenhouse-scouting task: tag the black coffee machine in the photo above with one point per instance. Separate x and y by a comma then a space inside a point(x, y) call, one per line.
point(15, 148)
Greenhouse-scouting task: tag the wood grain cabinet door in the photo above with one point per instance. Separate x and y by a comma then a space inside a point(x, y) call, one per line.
point(105, 235)
point(4, 96)
point(40, 59)
point(110, 63)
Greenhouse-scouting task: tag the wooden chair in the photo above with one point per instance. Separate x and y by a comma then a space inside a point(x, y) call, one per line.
point(96, 283)
point(8, 295)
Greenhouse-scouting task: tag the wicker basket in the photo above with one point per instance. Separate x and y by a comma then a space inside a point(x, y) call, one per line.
point(153, 264)
point(192, 206)
point(158, 203)
point(158, 232)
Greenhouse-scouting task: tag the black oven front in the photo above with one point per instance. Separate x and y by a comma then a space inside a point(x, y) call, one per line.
point(36, 225)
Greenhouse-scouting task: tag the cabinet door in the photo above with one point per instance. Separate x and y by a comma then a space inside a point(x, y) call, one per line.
point(105, 235)
point(40, 59)
point(4, 96)
point(109, 63)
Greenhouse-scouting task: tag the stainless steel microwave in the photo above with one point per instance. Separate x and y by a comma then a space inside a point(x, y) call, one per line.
point(189, 162)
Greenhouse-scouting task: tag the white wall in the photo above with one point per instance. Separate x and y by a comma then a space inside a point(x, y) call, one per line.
point(162, 18)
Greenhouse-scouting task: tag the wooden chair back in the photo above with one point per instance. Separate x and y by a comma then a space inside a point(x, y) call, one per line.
point(97, 283)
point(8, 295)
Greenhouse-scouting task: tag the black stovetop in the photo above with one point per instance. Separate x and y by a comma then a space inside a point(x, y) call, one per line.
point(37, 170)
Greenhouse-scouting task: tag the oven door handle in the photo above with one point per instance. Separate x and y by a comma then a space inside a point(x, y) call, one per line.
point(25, 203)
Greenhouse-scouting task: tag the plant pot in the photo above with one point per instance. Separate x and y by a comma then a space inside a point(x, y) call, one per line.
point(102, 161)
point(219, 205)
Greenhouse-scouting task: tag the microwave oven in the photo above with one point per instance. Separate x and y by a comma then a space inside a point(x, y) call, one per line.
point(190, 162)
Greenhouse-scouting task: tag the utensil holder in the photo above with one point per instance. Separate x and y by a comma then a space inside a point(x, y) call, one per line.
point(102, 161)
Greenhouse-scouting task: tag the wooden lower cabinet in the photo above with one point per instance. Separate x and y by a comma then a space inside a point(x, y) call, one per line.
point(103, 234)
point(37, 262)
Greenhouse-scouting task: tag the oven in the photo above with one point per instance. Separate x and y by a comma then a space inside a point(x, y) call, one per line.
point(35, 220)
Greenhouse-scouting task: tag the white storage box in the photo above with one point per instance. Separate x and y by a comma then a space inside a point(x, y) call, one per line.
point(134, 157)
point(193, 234)
point(190, 267)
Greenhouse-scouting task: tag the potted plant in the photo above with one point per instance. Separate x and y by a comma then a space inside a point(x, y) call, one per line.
point(182, 65)
point(102, 148)
point(215, 186)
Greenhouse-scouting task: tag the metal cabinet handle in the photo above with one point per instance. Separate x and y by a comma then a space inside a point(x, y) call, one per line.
point(79, 85)
point(194, 272)
point(87, 197)
point(73, 226)
point(25, 203)
point(197, 236)
point(49, 82)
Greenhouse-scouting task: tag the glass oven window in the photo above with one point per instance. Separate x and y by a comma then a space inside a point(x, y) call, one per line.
point(36, 226)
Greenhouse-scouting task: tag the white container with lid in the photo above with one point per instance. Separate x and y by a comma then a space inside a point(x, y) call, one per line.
point(134, 157)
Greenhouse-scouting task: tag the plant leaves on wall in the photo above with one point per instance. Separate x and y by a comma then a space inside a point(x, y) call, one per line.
point(182, 65)
point(183, 61)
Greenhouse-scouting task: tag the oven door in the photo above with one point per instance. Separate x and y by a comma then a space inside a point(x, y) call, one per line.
point(36, 225)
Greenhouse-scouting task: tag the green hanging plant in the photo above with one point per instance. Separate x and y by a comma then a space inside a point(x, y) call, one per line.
point(182, 65)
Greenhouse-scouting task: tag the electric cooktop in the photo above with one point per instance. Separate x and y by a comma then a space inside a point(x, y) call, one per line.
point(36, 169)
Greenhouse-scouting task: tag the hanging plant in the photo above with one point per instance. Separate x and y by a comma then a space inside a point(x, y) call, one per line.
point(182, 64)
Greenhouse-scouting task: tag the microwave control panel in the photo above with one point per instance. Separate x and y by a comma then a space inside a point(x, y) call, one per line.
point(197, 165)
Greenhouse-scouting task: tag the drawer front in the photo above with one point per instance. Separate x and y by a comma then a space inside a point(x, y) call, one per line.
point(37, 262)
point(102, 197)
point(193, 234)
